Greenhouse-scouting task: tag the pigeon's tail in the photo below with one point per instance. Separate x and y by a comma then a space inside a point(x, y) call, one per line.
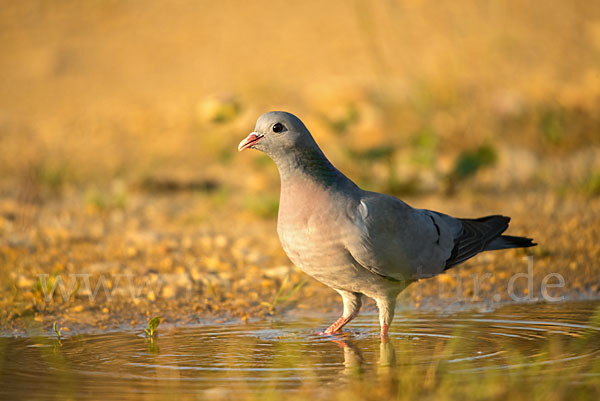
point(508, 241)
point(484, 234)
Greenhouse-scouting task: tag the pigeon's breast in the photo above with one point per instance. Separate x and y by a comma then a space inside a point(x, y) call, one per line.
point(313, 242)
point(312, 233)
point(308, 225)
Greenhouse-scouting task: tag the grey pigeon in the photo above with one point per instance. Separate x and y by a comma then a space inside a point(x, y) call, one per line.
point(359, 242)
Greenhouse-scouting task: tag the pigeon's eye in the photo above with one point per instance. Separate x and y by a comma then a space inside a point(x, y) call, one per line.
point(277, 127)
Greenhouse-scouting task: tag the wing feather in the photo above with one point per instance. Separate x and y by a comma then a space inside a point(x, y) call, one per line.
point(391, 239)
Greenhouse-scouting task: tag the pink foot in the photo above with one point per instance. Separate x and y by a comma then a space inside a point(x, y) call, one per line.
point(334, 328)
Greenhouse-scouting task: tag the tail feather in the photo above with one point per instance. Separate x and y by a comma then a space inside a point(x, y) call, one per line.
point(509, 241)
point(484, 234)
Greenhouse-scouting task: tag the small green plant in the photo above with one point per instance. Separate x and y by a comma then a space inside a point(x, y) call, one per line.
point(226, 111)
point(282, 296)
point(45, 287)
point(219, 109)
point(103, 200)
point(468, 163)
point(51, 175)
point(424, 147)
point(152, 326)
point(552, 125)
point(385, 155)
point(58, 332)
point(591, 185)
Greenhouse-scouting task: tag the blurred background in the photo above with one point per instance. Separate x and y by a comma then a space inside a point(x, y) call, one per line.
point(119, 125)
point(404, 96)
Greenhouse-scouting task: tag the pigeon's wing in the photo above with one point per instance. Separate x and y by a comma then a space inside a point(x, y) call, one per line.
point(392, 239)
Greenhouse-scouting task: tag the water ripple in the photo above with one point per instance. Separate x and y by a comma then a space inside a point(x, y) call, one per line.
point(287, 354)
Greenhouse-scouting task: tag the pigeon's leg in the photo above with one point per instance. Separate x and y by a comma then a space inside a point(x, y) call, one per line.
point(386, 306)
point(352, 302)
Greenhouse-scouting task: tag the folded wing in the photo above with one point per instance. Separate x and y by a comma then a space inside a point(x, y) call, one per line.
point(392, 239)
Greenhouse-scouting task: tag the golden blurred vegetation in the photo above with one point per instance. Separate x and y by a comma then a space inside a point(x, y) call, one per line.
point(399, 94)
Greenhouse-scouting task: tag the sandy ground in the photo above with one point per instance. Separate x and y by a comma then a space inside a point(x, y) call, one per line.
point(176, 257)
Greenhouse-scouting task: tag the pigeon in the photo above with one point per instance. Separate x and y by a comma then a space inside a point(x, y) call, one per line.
point(357, 242)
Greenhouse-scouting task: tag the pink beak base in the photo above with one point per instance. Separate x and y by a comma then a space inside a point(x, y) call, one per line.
point(249, 141)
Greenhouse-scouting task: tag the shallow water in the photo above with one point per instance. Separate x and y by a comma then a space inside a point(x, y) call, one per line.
point(285, 356)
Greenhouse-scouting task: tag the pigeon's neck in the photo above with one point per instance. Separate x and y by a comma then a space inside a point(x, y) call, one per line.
point(312, 165)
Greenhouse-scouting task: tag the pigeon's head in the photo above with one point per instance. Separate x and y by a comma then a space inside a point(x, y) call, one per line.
point(278, 133)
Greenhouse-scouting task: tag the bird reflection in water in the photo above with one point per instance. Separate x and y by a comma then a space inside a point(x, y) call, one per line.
point(354, 362)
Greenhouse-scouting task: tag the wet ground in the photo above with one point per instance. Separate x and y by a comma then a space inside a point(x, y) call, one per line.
point(552, 347)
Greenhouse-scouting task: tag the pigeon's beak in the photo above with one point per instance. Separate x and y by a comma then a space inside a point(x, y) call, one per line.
point(249, 141)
